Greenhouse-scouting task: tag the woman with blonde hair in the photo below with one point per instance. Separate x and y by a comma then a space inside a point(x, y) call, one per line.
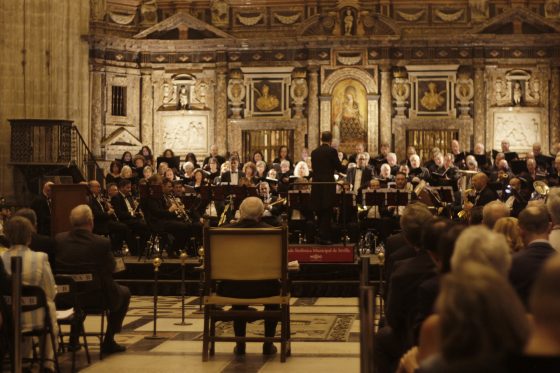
point(509, 227)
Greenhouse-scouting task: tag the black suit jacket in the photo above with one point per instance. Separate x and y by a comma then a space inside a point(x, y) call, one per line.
point(81, 250)
point(100, 217)
point(43, 212)
point(367, 174)
point(226, 177)
point(156, 212)
point(325, 163)
point(248, 289)
point(526, 265)
point(485, 196)
point(402, 302)
point(121, 210)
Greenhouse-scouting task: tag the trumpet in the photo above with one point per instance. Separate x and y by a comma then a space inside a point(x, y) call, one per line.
point(180, 211)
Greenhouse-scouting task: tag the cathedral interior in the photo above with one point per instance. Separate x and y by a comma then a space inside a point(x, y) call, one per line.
point(183, 75)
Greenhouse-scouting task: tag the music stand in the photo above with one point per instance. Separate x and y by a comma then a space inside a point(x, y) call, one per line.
point(397, 198)
point(375, 197)
point(519, 166)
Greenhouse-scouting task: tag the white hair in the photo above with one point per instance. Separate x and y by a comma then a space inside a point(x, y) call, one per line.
point(81, 215)
point(553, 205)
point(188, 165)
point(414, 156)
point(385, 166)
point(479, 244)
point(251, 208)
point(301, 165)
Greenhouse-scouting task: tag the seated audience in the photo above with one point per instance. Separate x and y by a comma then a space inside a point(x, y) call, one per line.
point(39, 242)
point(509, 227)
point(553, 207)
point(492, 212)
point(535, 226)
point(81, 250)
point(251, 211)
point(35, 271)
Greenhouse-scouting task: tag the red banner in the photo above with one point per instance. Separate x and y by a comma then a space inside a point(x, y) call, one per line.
point(321, 254)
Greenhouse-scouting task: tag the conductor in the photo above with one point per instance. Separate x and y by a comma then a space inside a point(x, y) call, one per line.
point(324, 162)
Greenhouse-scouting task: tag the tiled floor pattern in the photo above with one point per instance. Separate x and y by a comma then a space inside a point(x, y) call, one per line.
point(315, 348)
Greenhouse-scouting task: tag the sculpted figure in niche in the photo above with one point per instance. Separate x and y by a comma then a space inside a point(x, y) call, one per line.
point(183, 97)
point(266, 101)
point(432, 98)
point(517, 94)
point(349, 122)
point(348, 22)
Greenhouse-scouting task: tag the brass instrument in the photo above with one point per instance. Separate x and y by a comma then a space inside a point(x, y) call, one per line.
point(108, 207)
point(463, 214)
point(541, 190)
point(502, 175)
point(228, 207)
point(279, 201)
point(137, 212)
point(180, 211)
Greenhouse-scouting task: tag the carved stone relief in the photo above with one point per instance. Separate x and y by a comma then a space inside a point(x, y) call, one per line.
point(236, 93)
point(148, 11)
point(522, 129)
point(480, 9)
point(517, 87)
point(464, 90)
point(552, 9)
point(401, 93)
point(220, 13)
point(185, 131)
point(298, 93)
point(98, 9)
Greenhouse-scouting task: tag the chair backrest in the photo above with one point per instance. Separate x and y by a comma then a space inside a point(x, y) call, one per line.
point(87, 284)
point(66, 293)
point(32, 298)
point(246, 254)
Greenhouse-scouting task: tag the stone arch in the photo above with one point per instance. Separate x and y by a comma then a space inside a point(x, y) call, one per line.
point(370, 84)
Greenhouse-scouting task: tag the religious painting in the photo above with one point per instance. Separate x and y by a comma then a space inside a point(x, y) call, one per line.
point(349, 114)
point(432, 95)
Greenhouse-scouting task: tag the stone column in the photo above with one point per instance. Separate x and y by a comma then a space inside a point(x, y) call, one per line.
point(147, 110)
point(386, 109)
point(479, 129)
point(554, 105)
point(97, 110)
point(220, 118)
point(313, 111)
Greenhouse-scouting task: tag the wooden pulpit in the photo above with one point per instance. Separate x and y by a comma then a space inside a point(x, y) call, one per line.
point(64, 198)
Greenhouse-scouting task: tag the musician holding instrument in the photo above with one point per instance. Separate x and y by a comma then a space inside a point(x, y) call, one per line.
point(273, 205)
point(250, 177)
point(360, 175)
point(483, 193)
point(514, 197)
point(128, 212)
point(105, 221)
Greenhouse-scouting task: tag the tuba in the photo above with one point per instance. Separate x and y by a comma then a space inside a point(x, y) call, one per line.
point(541, 190)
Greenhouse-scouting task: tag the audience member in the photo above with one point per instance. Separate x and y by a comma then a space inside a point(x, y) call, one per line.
point(493, 211)
point(35, 271)
point(553, 206)
point(81, 250)
point(39, 242)
point(535, 226)
point(251, 211)
point(509, 227)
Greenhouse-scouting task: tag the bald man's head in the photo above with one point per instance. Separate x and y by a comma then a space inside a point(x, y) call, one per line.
point(251, 208)
point(479, 181)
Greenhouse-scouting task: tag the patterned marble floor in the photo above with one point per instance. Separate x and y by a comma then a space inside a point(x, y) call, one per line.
point(325, 337)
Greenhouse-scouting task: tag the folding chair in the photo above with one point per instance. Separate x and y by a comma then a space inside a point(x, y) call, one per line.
point(33, 298)
point(88, 285)
point(67, 298)
point(245, 254)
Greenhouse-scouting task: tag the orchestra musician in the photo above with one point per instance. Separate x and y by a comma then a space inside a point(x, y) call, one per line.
point(483, 193)
point(273, 206)
point(162, 215)
point(250, 177)
point(104, 218)
point(531, 175)
point(515, 198)
point(128, 212)
point(360, 175)
point(554, 176)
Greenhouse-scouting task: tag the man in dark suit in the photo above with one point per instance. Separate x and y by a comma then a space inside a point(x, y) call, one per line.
point(42, 207)
point(127, 213)
point(39, 242)
point(484, 194)
point(359, 176)
point(162, 215)
point(81, 250)
point(404, 280)
point(104, 218)
point(324, 162)
point(534, 224)
point(233, 175)
point(251, 211)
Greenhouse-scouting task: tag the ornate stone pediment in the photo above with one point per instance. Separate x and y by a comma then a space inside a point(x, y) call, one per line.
point(517, 21)
point(121, 137)
point(182, 26)
point(366, 24)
